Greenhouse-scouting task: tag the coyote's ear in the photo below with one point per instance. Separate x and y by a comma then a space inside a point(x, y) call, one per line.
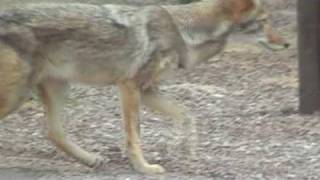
point(240, 8)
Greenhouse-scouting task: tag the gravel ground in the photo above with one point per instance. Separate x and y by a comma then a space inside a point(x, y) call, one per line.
point(245, 104)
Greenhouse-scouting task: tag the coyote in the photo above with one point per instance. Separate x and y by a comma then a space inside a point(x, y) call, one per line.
point(50, 46)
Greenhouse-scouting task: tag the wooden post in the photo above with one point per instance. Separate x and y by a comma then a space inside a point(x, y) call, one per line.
point(309, 55)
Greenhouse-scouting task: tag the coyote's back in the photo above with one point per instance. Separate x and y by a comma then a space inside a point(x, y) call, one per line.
point(94, 44)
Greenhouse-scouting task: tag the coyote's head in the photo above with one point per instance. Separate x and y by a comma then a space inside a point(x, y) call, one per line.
point(246, 13)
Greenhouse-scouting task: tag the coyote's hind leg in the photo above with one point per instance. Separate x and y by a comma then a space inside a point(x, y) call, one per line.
point(53, 94)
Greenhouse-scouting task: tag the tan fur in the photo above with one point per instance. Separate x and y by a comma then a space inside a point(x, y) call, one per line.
point(13, 73)
point(49, 46)
point(239, 8)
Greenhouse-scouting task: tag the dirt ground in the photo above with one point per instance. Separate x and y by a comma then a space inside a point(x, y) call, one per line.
point(245, 104)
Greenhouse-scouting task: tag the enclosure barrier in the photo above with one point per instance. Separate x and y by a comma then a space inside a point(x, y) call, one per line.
point(309, 55)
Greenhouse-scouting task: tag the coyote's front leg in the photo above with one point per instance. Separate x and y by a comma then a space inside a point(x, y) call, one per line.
point(185, 125)
point(130, 97)
point(152, 99)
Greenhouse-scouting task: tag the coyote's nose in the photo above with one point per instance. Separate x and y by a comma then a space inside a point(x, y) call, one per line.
point(286, 45)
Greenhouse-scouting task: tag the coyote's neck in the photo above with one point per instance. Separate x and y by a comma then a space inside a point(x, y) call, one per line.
point(201, 21)
point(203, 26)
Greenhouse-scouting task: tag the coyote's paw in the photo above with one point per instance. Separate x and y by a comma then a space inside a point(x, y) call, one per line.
point(97, 163)
point(150, 169)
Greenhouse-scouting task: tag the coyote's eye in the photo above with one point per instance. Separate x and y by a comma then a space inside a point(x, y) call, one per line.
point(262, 19)
point(250, 27)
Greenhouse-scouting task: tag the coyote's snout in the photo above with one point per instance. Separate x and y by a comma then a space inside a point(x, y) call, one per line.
point(273, 40)
point(50, 46)
point(260, 17)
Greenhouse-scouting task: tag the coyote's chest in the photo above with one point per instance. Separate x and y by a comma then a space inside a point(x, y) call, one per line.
point(161, 67)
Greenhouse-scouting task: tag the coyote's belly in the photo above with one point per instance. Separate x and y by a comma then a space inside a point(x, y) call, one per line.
point(86, 63)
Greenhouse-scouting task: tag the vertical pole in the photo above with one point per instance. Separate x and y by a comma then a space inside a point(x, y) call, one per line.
point(309, 55)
